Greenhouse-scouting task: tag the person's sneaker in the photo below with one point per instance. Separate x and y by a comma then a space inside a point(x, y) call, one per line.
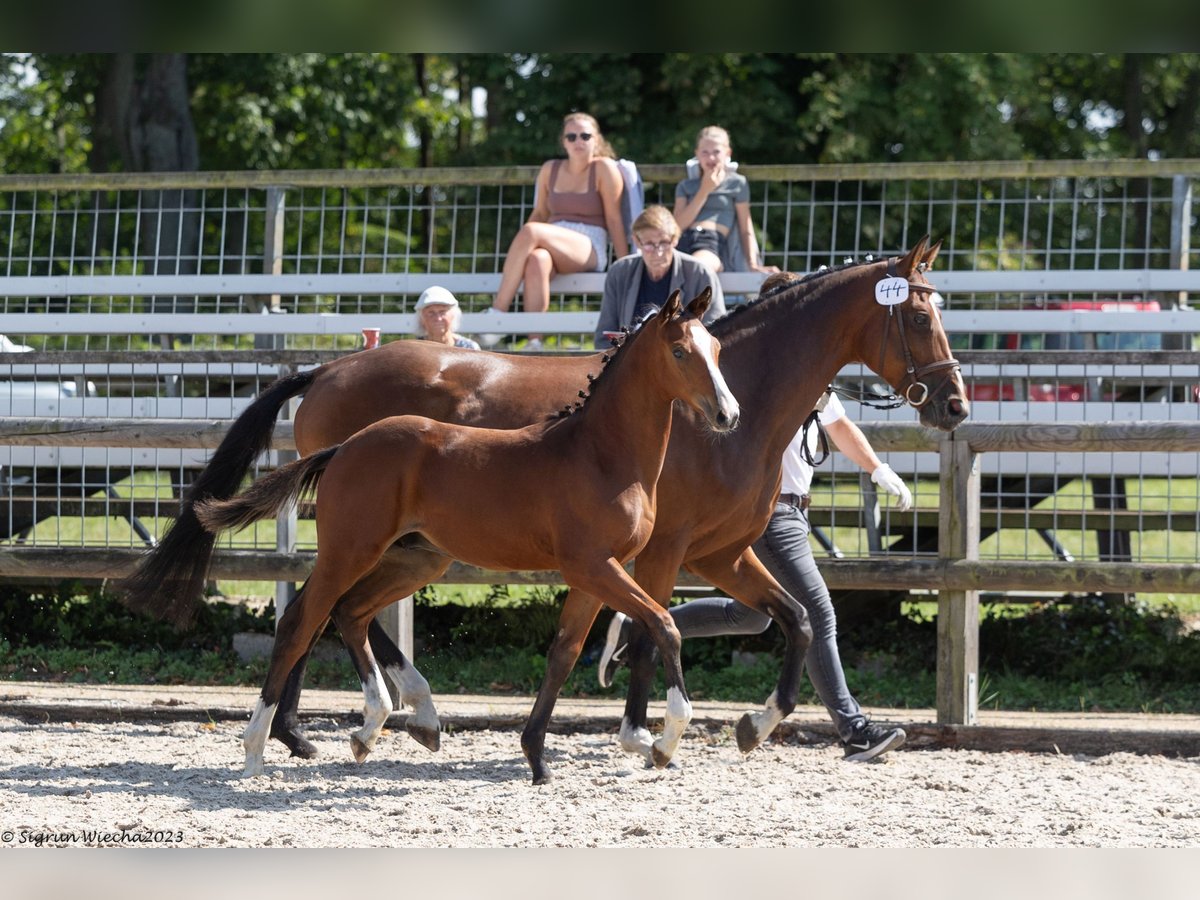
point(616, 642)
point(870, 741)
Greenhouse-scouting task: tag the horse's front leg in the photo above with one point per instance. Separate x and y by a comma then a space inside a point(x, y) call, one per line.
point(574, 622)
point(656, 574)
point(610, 582)
point(746, 580)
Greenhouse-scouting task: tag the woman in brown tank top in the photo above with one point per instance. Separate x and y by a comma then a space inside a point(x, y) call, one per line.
point(577, 205)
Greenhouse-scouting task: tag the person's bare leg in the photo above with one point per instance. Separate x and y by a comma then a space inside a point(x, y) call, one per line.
point(709, 260)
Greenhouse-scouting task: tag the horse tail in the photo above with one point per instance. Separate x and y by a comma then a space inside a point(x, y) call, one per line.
point(268, 496)
point(168, 582)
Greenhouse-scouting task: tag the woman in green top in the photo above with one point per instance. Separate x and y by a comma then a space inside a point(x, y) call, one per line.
point(711, 205)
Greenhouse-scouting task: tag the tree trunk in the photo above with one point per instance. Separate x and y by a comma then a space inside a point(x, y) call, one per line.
point(164, 140)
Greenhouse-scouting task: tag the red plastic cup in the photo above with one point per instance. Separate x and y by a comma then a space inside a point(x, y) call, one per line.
point(370, 338)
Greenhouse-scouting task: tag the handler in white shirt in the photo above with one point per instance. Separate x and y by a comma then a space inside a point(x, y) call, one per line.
point(784, 549)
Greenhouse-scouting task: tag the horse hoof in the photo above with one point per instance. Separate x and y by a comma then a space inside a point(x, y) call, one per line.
point(358, 748)
point(429, 738)
point(300, 747)
point(747, 734)
point(253, 769)
point(661, 760)
point(542, 776)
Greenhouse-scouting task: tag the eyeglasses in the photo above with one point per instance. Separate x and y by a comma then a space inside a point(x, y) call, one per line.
point(583, 136)
point(656, 246)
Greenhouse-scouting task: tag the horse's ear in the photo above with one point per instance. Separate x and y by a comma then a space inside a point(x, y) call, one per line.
point(699, 306)
point(915, 255)
point(671, 308)
point(931, 255)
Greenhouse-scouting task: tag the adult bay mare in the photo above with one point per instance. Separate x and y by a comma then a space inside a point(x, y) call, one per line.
point(576, 494)
point(715, 497)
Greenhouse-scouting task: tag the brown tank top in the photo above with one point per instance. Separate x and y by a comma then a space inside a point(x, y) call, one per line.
point(569, 206)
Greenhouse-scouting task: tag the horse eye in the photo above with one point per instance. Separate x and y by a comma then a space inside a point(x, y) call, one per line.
point(678, 353)
point(921, 319)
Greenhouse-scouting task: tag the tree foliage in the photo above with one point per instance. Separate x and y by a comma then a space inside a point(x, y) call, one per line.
point(63, 113)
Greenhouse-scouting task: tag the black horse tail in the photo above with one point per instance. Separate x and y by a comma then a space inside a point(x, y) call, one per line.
point(168, 582)
point(268, 496)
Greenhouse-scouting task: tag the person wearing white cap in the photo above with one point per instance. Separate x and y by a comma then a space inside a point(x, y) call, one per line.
point(438, 316)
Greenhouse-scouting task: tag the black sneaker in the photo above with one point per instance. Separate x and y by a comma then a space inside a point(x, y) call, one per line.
point(871, 740)
point(616, 642)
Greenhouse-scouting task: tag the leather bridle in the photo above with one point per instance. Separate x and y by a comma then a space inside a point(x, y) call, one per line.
point(913, 372)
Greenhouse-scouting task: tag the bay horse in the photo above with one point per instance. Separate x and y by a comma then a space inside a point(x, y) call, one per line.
point(577, 494)
point(715, 497)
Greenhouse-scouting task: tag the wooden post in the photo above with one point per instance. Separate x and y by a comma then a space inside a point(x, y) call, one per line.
point(285, 524)
point(273, 226)
point(1181, 218)
point(958, 611)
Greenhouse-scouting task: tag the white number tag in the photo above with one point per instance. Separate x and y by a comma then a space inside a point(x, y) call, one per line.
point(891, 291)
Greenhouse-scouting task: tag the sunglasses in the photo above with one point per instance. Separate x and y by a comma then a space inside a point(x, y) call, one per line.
point(583, 136)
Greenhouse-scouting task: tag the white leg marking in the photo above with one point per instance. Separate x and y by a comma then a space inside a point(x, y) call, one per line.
point(377, 706)
point(765, 721)
point(678, 714)
point(635, 740)
point(415, 694)
point(254, 739)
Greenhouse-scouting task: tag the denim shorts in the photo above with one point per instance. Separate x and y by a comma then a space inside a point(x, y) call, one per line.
point(694, 239)
point(594, 233)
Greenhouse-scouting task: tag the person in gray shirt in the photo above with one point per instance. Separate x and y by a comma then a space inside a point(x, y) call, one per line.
point(638, 285)
point(713, 209)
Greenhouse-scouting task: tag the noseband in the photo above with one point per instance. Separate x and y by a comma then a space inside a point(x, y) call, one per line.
point(913, 372)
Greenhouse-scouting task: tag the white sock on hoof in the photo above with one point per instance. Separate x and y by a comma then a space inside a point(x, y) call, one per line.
point(415, 694)
point(766, 720)
point(377, 706)
point(678, 714)
point(254, 738)
point(635, 740)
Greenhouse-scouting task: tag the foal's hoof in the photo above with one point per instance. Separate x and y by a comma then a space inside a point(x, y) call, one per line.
point(429, 738)
point(661, 760)
point(358, 748)
point(747, 734)
point(299, 746)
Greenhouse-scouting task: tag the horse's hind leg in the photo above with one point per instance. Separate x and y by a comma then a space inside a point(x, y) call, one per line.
point(377, 705)
point(423, 725)
point(574, 623)
point(399, 569)
point(749, 582)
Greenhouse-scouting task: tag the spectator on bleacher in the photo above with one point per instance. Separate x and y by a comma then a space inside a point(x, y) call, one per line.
point(784, 549)
point(577, 211)
point(637, 286)
point(438, 318)
point(714, 202)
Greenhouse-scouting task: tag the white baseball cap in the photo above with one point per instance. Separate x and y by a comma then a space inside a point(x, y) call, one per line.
point(436, 296)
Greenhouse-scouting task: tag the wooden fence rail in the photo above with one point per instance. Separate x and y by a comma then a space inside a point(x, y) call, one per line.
point(957, 574)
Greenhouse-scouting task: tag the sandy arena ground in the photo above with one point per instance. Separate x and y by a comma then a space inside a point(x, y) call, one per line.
point(178, 783)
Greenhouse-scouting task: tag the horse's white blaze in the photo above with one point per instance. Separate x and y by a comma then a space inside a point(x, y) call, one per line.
point(675, 720)
point(377, 706)
point(766, 720)
point(254, 738)
point(415, 694)
point(634, 740)
point(707, 347)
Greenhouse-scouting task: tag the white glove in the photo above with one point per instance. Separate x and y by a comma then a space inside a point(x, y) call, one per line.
point(894, 485)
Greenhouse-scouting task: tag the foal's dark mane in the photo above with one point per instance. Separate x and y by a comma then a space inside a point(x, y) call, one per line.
point(611, 359)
